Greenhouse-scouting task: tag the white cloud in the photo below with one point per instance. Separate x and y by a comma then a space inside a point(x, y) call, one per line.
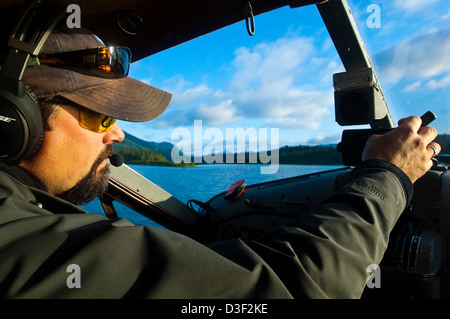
point(191, 94)
point(222, 113)
point(299, 120)
point(433, 84)
point(446, 16)
point(413, 5)
point(264, 83)
point(273, 62)
point(146, 81)
point(413, 87)
point(183, 92)
point(318, 140)
point(421, 57)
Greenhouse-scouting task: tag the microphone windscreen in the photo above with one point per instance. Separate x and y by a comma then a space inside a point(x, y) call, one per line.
point(116, 159)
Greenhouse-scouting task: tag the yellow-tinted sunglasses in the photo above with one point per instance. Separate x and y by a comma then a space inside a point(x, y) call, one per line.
point(95, 121)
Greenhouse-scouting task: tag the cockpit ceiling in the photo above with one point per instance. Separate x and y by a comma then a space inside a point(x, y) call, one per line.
point(165, 23)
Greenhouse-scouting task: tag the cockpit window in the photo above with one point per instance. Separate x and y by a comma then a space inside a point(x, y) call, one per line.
point(282, 76)
point(271, 95)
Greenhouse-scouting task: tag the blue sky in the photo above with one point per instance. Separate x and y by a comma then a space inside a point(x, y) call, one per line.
point(282, 76)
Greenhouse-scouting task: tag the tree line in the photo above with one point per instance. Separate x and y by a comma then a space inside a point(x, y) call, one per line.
point(302, 155)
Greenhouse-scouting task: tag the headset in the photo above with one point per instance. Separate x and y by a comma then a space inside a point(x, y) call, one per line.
point(21, 123)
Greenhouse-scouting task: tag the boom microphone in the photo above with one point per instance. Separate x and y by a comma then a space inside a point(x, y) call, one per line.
point(116, 159)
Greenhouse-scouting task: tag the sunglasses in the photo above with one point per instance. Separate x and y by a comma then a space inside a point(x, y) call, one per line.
point(111, 60)
point(95, 121)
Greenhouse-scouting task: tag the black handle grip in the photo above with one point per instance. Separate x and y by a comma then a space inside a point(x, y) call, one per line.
point(354, 141)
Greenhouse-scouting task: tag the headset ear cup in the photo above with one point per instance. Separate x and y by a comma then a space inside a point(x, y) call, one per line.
point(21, 126)
point(35, 124)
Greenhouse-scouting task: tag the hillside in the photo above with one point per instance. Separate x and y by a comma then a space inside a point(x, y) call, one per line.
point(134, 143)
point(302, 155)
point(137, 151)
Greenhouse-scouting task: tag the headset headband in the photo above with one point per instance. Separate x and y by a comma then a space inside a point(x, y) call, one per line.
point(32, 29)
point(21, 123)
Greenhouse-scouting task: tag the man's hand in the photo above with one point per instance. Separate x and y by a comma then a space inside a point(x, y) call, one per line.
point(409, 147)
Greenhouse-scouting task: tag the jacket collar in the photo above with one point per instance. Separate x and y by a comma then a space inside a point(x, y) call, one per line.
point(21, 175)
point(43, 199)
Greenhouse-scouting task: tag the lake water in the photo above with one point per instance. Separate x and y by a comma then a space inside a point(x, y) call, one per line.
point(203, 182)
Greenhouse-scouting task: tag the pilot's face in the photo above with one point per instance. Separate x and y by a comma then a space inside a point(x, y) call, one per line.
point(71, 154)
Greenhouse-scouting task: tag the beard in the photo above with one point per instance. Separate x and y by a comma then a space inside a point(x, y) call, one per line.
point(93, 184)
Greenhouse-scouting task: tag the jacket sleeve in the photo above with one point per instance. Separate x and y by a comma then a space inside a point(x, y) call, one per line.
point(326, 253)
point(322, 255)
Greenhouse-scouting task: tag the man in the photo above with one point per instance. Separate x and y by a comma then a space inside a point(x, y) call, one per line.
point(322, 255)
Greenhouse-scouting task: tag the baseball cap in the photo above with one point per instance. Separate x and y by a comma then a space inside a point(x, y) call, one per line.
point(123, 98)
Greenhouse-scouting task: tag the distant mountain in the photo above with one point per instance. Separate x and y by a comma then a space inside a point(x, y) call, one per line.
point(134, 143)
point(138, 151)
point(301, 155)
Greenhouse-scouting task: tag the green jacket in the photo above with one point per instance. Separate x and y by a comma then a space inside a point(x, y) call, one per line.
point(325, 254)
